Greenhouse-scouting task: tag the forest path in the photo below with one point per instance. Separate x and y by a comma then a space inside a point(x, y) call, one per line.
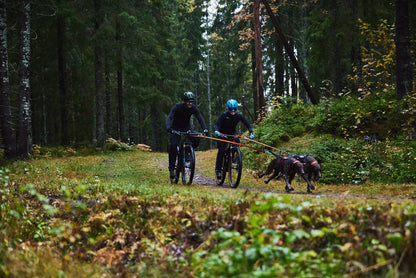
point(201, 179)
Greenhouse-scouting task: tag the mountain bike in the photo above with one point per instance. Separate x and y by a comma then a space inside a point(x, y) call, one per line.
point(185, 160)
point(232, 162)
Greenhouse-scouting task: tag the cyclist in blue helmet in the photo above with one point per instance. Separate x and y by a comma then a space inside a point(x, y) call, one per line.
point(179, 120)
point(226, 124)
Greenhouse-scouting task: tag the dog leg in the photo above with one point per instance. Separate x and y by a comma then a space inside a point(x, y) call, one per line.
point(310, 186)
point(288, 186)
point(279, 176)
point(275, 173)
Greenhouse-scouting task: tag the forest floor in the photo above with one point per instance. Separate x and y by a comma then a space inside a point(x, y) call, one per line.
point(117, 213)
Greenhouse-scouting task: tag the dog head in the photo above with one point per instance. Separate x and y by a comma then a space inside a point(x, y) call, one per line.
point(316, 170)
point(313, 165)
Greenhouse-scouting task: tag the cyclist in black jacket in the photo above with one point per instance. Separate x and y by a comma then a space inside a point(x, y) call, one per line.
point(226, 124)
point(179, 120)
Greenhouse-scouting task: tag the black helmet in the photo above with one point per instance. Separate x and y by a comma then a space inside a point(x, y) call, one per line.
point(189, 96)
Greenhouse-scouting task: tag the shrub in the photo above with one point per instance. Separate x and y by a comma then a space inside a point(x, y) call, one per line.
point(114, 145)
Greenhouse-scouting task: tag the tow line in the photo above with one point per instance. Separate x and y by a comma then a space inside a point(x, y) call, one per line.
point(258, 142)
point(237, 143)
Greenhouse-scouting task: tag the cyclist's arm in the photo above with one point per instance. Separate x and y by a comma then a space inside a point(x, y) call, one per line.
point(169, 119)
point(218, 122)
point(247, 124)
point(200, 119)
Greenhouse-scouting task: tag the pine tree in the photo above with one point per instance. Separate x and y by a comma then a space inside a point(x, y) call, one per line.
point(7, 131)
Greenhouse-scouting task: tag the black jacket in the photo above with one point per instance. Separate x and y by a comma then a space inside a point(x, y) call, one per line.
point(180, 115)
point(227, 123)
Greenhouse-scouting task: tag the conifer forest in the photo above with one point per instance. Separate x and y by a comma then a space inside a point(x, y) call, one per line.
point(75, 73)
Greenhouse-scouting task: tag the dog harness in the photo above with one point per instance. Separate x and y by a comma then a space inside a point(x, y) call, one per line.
point(294, 162)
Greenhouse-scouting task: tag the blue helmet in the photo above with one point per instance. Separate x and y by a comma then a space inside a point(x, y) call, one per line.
point(232, 104)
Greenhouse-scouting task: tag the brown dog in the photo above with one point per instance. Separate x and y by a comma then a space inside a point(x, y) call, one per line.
point(287, 167)
point(311, 166)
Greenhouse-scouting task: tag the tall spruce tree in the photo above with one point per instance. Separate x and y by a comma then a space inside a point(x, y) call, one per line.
point(6, 125)
point(24, 132)
point(404, 69)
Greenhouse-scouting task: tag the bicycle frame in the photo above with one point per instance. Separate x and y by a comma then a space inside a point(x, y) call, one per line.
point(232, 163)
point(185, 161)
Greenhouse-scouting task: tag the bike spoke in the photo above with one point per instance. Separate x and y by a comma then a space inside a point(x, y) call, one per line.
point(188, 168)
point(235, 167)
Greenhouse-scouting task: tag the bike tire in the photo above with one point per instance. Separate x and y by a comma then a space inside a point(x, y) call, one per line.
point(235, 166)
point(178, 166)
point(223, 171)
point(188, 165)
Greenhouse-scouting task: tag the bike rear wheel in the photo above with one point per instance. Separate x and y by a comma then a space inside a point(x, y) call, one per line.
point(235, 165)
point(188, 165)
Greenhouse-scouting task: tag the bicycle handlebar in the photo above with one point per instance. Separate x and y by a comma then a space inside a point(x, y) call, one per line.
point(189, 132)
point(228, 136)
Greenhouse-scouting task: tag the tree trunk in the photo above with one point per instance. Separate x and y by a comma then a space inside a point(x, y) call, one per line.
point(108, 114)
point(357, 51)
point(279, 69)
point(24, 134)
point(7, 132)
point(99, 85)
point(259, 66)
point(120, 92)
point(290, 53)
point(404, 82)
point(62, 77)
point(210, 126)
point(254, 85)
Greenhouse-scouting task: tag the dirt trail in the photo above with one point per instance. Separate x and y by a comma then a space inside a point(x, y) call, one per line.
point(203, 180)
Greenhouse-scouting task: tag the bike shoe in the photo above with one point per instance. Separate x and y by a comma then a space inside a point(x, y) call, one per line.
point(172, 176)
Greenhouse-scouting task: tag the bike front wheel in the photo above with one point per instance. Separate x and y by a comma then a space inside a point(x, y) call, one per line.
point(178, 166)
point(188, 165)
point(224, 169)
point(235, 167)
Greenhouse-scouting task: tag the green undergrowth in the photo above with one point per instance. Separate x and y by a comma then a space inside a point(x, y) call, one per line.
point(115, 214)
point(357, 140)
point(352, 161)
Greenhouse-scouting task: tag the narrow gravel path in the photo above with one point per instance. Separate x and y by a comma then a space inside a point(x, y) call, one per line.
point(207, 181)
point(202, 180)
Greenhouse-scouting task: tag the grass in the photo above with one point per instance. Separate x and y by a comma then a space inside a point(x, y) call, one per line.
point(116, 213)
